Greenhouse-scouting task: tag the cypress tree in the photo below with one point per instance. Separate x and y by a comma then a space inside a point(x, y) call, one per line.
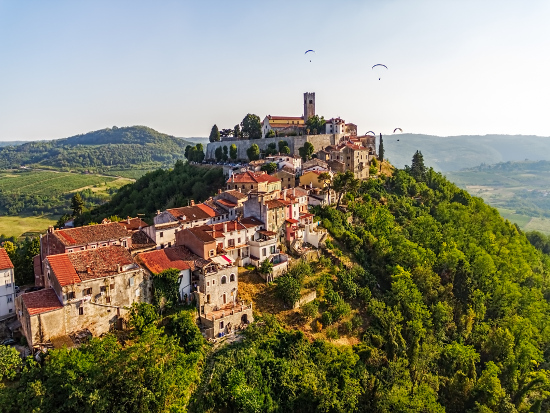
point(418, 169)
point(214, 134)
point(381, 150)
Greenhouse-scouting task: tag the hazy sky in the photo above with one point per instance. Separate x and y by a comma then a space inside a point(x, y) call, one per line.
point(455, 66)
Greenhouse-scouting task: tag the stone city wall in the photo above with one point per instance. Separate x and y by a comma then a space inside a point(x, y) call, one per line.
point(294, 143)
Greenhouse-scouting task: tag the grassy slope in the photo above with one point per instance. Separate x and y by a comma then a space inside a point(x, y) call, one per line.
point(457, 152)
point(25, 225)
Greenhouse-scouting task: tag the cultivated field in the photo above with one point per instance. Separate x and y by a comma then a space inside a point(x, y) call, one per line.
point(22, 226)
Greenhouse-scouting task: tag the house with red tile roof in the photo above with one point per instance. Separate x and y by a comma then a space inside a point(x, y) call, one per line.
point(179, 258)
point(253, 181)
point(173, 219)
point(89, 237)
point(7, 286)
point(94, 289)
point(283, 125)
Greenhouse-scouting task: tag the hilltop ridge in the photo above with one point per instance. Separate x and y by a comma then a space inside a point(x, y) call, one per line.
point(101, 150)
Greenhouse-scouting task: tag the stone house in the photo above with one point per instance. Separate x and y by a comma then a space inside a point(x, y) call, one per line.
point(68, 240)
point(179, 258)
point(288, 179)
point(173, 219)
point(7, 286)
point(93, 289)
point(232, 201)
point(253, 181)
point(267, 208)
point(220, 310)
point(283, 125)
point(292, 162)
point(317, 164)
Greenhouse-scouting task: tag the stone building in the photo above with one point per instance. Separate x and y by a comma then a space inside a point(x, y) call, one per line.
point(93, 289)
point(68, 240)
point(283, 125)
point(7, 286)
point(267, 208)
point(220, 309)
point(173, 219)
point(253, 181)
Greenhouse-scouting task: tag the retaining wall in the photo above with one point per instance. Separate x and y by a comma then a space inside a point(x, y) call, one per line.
point(294, 143)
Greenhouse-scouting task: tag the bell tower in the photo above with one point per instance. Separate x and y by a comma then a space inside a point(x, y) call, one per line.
point(309, 105)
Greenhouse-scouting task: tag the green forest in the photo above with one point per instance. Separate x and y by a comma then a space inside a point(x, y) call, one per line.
point(159, 190)
point(119, 149)
point(446, 304)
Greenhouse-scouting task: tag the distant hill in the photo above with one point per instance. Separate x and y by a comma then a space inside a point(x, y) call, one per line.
point(196, 140)
point(454, 153)
point(12, 143)
point(103, 151)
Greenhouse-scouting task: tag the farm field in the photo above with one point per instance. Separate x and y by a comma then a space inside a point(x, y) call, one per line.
point(33, 199)
point(22, 226)
point(47, 183)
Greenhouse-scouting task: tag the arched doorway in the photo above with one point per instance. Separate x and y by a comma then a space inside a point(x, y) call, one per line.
point(224, 298)
point(244, 319)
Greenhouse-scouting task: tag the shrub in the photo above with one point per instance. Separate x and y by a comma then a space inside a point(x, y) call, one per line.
point(332, 333)
point(326, 318)
point(310, 310)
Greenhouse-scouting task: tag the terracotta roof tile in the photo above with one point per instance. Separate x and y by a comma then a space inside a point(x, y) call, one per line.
point(274, 203)
point(236, 194)
point(63, 269)
point(192, 213)
point(133, 224)
point(251, 177)
point(5, 261)
point(251, 222)
point(75, 267)
point(41, 301)
point(91, 233)
point(285, 117)
point(177, 257)
point(141, 240)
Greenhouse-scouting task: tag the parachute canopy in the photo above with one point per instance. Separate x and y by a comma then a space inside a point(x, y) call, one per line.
point(398, 129)
point(373, 134)
point(309, 51)
point(380, 65)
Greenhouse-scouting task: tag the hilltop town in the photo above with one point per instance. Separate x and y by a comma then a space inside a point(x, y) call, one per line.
point(87, 278)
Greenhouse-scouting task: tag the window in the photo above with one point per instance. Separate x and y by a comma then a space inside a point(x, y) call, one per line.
point(108, 300)
point(232, 278)
point(82, 248)
point(8, 285)
point(10, 298)
point(70, 295)
point(238, 241)
point(124, 243)
point(169, 244)
point(131, 280)
point(138, 292)
point(102, 289)
point(103, 245)
point(70, 250)
point(93, 247)
point(112, 287)
point(10, 310)
point(310, 102)
point(272, 249)
point(161, 234)
point(80, 310)
point(264, 252)
point(161, 246)
point(224, 279)
point(208, 283)
point(213, 282)
point(87, 291)
point(221, 325)
point(211, 253)
point(208, 298)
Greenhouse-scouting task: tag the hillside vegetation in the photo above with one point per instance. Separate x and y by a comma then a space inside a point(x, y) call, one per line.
point(126, 148)
point(446, 302)
point(453, 153)
point(159, 190)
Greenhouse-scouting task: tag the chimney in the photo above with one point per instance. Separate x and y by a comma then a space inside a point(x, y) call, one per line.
point(219, 191)
point(118, 268)
point(284, 194)
point(225, 227)
point(128, 219)
point(50, 229)
point(192, 202)
point(89, 270)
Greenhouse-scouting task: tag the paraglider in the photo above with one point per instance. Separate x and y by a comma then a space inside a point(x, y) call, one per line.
point(309, 51)
point(399, 129)
point(379, 64)
point(373, 134)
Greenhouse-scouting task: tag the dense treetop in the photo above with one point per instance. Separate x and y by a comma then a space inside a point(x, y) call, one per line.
point(100, 150)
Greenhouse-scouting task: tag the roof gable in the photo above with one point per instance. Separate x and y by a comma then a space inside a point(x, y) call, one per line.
point(42, 301)
point(91, 233)
point(5, 262)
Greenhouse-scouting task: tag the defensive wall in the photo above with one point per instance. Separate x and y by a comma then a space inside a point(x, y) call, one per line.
point(294, 143)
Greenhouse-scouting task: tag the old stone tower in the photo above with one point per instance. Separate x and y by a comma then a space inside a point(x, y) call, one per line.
point(309, 105)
